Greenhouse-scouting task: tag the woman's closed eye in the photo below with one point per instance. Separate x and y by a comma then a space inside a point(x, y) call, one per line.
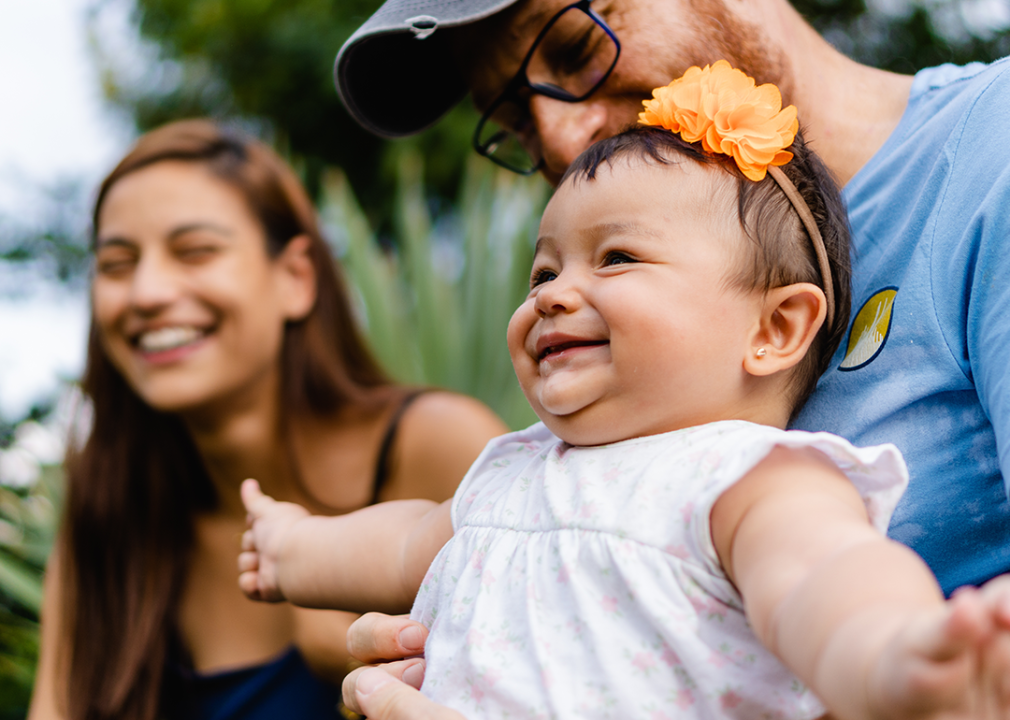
point(196, 252)
point(114, 261)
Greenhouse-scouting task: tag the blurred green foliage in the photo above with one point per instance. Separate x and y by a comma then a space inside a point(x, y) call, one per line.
point(436, 311)
point(51, 234)
point(906, 36)
point(273, 60)
point(28, 520)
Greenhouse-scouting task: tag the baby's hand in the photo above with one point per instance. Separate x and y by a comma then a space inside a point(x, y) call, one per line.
point(952, 663)
point(269, 522)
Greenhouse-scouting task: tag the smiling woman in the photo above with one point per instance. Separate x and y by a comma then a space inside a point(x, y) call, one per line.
point(188, 310)
point(222, 347)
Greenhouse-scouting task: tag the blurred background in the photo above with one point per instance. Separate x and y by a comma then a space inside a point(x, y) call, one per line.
point(436, 242)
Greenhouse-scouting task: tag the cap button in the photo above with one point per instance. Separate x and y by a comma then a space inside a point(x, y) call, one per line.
point(422, 25)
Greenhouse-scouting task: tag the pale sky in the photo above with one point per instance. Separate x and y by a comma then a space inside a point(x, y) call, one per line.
point(52, 125)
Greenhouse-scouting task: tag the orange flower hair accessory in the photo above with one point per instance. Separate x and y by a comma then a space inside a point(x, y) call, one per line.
point(722, 108)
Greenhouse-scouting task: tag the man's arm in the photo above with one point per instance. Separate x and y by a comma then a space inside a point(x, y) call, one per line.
point(372, 559)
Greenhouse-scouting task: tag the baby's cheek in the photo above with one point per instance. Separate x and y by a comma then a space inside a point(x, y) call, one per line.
point(519, 329)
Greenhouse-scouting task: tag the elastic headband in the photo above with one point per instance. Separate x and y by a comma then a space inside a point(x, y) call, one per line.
point(723, 109)
point(807, 218)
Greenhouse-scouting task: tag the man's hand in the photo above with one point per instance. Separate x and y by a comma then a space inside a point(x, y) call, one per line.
point(389, 692)
point(269, 523)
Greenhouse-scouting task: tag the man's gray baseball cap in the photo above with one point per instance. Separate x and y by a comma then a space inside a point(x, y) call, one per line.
point(395, 74)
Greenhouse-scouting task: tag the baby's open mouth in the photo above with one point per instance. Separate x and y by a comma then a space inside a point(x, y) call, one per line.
point(561, 347)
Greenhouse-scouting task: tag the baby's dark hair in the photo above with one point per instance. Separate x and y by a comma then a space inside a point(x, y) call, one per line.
point(781, 252)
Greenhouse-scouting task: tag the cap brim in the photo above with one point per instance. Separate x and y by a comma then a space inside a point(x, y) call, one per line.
point(395, 81)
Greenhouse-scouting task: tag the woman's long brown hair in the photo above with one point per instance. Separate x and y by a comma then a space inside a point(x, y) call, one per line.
point(135, 486)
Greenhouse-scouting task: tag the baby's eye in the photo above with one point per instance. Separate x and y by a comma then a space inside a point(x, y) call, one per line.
point(617, 258)
point(541, 276)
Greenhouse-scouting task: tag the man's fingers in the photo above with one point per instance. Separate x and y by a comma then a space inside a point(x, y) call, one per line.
point(413, 669)
point(248, 541)
point(375, 637)
point(378, 693)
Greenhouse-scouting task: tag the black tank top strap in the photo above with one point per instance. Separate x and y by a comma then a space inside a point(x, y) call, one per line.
point(386, 448)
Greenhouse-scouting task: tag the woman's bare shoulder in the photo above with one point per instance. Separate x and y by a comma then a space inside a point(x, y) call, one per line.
point(439, 437)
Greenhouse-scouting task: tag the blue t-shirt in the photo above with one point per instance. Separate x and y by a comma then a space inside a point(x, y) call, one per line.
point(926, 364)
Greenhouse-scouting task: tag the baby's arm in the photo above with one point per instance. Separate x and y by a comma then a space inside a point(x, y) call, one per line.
point(858, 617)
point(372, 559)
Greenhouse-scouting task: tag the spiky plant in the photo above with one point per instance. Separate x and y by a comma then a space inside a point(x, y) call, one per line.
point(436, 308)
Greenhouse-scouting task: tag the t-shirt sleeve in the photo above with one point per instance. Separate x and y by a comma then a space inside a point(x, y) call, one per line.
point(972, 234)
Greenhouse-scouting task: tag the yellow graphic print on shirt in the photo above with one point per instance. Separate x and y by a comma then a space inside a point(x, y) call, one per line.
point(869, 329)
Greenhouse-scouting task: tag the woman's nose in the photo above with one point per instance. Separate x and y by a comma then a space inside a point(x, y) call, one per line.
point(154, 285)
point(565, 130)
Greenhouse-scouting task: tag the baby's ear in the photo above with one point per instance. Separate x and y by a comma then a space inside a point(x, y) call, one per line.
point(790, 319)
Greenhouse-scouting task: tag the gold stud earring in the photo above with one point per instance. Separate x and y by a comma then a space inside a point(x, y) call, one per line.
point(760, 352)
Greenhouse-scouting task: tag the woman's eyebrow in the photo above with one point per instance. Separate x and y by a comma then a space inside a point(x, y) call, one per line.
point(190, 227)
point(114, 241)
point(117, 241)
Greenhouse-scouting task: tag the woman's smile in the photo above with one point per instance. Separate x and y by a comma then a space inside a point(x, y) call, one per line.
point(170, 343)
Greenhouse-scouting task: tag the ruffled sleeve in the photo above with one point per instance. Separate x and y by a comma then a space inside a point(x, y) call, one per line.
point(878, 473)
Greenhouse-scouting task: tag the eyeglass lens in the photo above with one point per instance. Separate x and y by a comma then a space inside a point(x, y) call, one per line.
point(569, 63)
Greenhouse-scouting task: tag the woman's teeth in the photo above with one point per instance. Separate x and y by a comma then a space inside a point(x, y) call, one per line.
point(168, 338)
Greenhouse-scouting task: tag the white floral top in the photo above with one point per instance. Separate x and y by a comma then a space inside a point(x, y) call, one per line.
point(582, 581)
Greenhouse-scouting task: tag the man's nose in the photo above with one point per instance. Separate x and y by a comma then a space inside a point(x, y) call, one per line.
point(565, 130)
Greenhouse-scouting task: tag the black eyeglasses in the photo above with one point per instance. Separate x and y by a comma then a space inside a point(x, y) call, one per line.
point(570, 59)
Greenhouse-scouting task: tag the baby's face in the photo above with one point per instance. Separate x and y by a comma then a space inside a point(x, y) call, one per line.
point(630, 327)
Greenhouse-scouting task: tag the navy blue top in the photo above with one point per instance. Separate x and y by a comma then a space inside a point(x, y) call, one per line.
point(284, 687)
point(280, 688)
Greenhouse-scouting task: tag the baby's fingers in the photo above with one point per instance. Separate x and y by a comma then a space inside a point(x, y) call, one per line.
point(929, 668)
point(248, 583)
point(960, 629)
point(248, 561)
point(996, 594)
point(256, 503)
point(251, 583)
